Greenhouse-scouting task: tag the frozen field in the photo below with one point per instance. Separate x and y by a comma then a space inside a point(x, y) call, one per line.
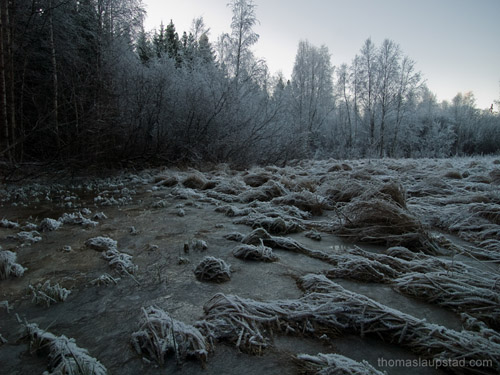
point(265, 271)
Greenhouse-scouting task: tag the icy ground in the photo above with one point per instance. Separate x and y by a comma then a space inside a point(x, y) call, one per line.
point(81, 258)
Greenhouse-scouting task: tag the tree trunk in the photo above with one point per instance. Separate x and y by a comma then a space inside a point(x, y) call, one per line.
point(5, 143)
point(53, 58)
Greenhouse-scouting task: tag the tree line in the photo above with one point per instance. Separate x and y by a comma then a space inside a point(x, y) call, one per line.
point(81, 82)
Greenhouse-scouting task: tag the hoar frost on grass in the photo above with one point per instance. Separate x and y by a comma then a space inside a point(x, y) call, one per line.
point(120, 261)
point(48, 294)
point(334, 364)
point(4, 223)
point(27, 237)
point(64, 356)
point(213, 269)
point(49, 225)
point(450, 284)
point(258, 253)
point(327, 308)
point(104, 280)
point(77, 218)
point(101, 243)
point(384, 221)
point(159, 335)
point(475, 295)
point(8, 265)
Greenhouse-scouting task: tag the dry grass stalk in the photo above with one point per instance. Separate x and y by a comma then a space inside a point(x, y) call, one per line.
point(213, 269)
point(65, 357)
point(160, 335)
point(8, 265)
point(334, 364)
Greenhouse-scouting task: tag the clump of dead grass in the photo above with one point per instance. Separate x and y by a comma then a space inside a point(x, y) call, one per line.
point(333, 364)
point(305, 201)
point(271, 189)
point(329, 309)
point(258, 253)
point(275, 225)
point(159, 336)
point(453, 174)
point(257, 179)
point(477, 296)
point(213, 269)
point(8, 265)
point(195, 181)
point(380, 217)
point(64, 356)
point(48, 294)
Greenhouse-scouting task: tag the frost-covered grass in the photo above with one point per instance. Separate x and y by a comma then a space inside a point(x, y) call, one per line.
point(64, 356)
point(8, 265)
point(213, 269)
point(334, 364)
point(46, 294)
point(117, 260)
point(327, 308)
point(159, 336)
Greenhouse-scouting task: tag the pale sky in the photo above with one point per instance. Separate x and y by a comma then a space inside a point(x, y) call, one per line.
point(455, 43)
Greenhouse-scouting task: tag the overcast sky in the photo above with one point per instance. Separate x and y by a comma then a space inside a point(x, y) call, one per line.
point(455, 43)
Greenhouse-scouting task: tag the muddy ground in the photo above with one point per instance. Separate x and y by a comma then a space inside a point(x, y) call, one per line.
point(154, 214)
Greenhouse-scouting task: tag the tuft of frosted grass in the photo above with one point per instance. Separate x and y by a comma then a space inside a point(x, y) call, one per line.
point(198, 245)
point(99, 216)
point(120, 261)
point(101, 243)
point(77, 218)
point(213, 269)
point(334, 364)
point(27, 237)
point(48, 294)
point(49, 225)
point(252, 252)
point(8, 265)
point(159, 335)
point(64, 356)
point(328, 308)
point(4, 223)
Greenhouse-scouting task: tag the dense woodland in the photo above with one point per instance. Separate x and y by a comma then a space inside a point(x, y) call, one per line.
point(83, 82)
